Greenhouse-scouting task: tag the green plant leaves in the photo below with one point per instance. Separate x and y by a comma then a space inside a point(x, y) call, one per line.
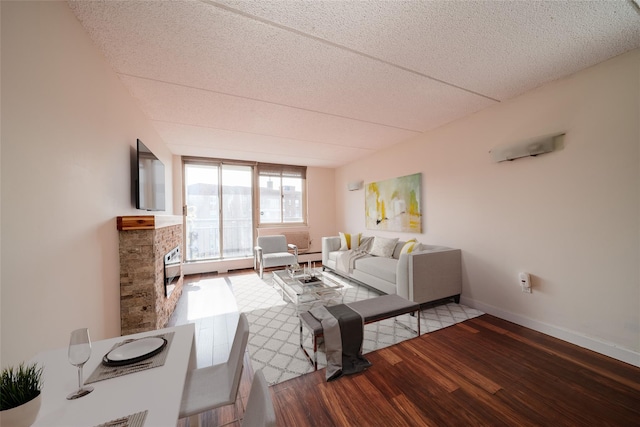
point(19, 385)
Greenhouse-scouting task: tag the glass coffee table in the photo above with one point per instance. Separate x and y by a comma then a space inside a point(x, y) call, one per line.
point(308, 289)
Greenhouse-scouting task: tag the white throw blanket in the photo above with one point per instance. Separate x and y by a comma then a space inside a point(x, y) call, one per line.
point(345, 262)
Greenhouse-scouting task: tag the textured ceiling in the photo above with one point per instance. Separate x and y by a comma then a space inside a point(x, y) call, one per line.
point(322, 83)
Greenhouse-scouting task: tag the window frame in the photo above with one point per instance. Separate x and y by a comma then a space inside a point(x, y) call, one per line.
point(281, 171)
point(219, 163)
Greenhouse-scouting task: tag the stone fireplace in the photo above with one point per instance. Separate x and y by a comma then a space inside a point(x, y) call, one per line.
point(144, 243)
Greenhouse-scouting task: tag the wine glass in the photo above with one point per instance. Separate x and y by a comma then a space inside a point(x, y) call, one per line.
point(79, 352)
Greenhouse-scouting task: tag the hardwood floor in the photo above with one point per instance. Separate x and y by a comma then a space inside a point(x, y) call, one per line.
point(484, 371)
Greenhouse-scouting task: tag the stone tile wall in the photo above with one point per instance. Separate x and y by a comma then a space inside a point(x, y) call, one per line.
point(143, 306)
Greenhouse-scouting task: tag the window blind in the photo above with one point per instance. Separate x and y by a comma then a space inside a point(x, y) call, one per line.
point(289, 171)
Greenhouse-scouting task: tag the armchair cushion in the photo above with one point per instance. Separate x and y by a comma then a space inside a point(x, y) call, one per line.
point(272, 244)
point(278, 259)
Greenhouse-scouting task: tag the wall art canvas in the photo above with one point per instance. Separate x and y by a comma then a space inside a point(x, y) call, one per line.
point(394, 204)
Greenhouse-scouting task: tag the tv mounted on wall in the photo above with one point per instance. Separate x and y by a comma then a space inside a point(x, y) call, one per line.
point(149, 180)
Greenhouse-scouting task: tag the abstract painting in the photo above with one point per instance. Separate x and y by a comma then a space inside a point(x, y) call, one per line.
point(394, 204)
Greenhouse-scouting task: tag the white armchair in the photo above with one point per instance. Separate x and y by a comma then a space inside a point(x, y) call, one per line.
point(273, 251)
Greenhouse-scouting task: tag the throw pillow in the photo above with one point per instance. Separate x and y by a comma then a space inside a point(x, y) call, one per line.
point(383, 246)
point(349, 241)
point(410, 246)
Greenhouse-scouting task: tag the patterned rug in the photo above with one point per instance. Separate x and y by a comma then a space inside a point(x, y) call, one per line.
point(274, 327)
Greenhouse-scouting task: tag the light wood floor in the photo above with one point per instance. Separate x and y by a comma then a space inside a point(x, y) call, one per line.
point(208, 302)
point(214, 315)
point(484, 371)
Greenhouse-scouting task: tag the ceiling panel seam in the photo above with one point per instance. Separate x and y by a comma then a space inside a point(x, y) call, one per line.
point(342, 47)
point(270, 102)
point(252, 151)
point(259, 134)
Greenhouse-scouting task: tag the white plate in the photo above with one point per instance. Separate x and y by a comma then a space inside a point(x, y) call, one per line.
point(136, 350)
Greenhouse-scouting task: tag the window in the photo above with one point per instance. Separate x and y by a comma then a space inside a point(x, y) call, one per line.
point(282, 194)
point(219, 198)
point(219, 209)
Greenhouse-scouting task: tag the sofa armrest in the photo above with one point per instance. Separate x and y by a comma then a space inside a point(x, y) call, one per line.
point(429, 275)
point(329, 244)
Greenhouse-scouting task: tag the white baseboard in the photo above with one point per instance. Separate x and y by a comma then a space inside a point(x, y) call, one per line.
point(220, 266)
point(608, 349)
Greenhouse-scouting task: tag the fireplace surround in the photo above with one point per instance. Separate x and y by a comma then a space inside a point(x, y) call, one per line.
point(144, 243)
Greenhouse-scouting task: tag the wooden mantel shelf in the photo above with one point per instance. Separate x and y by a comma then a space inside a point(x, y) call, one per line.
point(147, 222)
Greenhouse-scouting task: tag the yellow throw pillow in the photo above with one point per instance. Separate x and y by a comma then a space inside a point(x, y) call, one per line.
point(349, 241)
point(410, 246)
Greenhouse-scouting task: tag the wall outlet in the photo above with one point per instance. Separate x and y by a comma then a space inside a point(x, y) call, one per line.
point(525, 282)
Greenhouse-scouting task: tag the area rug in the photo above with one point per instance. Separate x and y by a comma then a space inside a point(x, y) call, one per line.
point(274, 327)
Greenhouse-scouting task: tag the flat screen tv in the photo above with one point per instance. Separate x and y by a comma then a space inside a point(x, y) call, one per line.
point(149, 180)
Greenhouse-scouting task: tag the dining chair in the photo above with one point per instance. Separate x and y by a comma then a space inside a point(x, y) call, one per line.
point(273, 251)
point(260, 411)
point(216, 386)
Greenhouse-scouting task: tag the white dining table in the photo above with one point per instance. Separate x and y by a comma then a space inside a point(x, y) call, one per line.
point(156, 390)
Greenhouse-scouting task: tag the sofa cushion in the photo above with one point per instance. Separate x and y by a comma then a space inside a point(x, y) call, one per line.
point(398, 249)
point(349, 241)
point(333, 256)
point(383, 246)
point(410, 246)
point(384, 268)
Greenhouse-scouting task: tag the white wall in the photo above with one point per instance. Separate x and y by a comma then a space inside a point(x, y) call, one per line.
point(69, 129)
point(321, 205)
point(570, 218)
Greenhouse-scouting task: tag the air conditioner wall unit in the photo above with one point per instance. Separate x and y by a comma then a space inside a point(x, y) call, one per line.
point(528, 148)
point(355, 185)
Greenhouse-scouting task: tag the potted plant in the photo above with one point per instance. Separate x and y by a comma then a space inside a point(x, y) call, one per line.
point(20, 395)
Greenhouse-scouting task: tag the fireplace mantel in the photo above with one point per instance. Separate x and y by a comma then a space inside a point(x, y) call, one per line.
point(147, 222)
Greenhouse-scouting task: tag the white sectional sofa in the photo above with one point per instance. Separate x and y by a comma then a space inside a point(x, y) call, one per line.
point(429, 274)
